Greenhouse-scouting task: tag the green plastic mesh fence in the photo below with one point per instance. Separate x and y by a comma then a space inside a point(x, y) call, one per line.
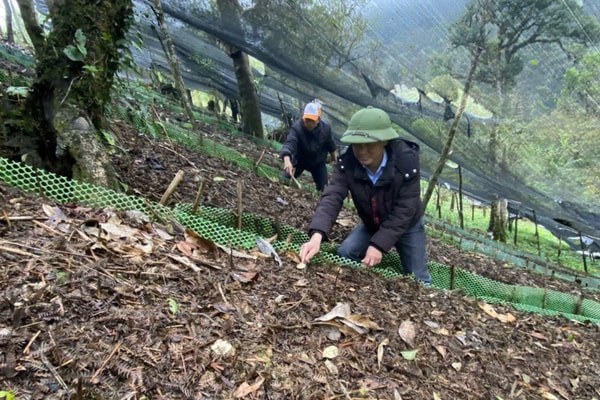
point(221, 226)
point(471, 241)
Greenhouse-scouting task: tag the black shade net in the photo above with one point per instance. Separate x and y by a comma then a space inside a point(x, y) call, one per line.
point(301, 67)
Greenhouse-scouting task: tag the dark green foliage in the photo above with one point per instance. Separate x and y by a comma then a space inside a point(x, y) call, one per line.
point(503, 28)
point(97, 32)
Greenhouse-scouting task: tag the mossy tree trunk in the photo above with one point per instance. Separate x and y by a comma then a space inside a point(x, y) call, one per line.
point(57, 127)
point(169, 49)
point(498, 220)
point(250, 104)
point(10, 35)
point(231, 11)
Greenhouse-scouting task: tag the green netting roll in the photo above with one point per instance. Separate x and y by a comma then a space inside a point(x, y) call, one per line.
point(563, 302)
point(535, 297)
point(590, 308)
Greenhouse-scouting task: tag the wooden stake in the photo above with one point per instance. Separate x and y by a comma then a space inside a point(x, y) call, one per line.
point(257, 163)
point(239, 202)
point(199, 196)
point(172, 186)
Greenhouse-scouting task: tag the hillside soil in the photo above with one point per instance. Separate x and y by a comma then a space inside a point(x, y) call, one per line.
point(98, 304)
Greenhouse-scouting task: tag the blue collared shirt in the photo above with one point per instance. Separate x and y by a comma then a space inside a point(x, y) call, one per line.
point(375, 176)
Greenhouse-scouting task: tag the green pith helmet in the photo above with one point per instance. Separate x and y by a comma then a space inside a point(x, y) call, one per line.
point(369, 125)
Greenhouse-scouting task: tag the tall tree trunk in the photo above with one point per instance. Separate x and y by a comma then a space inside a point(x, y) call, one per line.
point(10, 33)
point(494, 142)
point(64, 110)
point(231, 11)
point(498, 220)
point(249, 102)
point(34, 30)
point(448, 145)
point(169, 48)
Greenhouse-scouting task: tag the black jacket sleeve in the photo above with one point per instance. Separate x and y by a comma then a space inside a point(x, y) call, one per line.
point(290, 146)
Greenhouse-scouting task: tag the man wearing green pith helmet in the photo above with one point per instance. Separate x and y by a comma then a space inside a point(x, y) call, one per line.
point(381, 172)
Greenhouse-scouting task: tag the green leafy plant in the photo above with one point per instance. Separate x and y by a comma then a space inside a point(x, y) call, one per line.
point(7, 395)
point(90, 69)
point(409, 355)
point(173, 306)
point(108, 136)
point(78, 51)
point(19, 91)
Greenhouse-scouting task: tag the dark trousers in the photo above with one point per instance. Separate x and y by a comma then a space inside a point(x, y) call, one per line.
point(411, 249)
point(318, 172)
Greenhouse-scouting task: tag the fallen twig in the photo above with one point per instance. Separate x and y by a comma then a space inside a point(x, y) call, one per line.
point(54, 373)
point(179, 155)
point(7, 218)
point(26, 349)
point(49, 229)
point(17, 251)
point(112, 353)
point(222, 294)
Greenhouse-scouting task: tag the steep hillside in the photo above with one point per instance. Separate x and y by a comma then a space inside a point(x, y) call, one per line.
point(107, 304)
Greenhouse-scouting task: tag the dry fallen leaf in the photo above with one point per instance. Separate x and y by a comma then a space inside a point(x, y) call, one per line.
point(441, 349)
point(331, 352)
point(489, 310)
point(203, 245)
point(120, 231)
point(407, 332)
point(363, 321)
point(244, 277)
point(222, 348)
point(302, 282)
point(340, 310)
point(331, 368)
point(244, 389)
point(538, 336)
point(234, 253)
point(186, 248)
point(380, 350)
point(55, 215)
point(292, 255)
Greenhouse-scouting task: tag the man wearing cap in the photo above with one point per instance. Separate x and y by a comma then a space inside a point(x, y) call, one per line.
point(307, 145)
point(381, 172)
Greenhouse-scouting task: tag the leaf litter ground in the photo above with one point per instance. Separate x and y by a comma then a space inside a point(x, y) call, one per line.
point(106, 305)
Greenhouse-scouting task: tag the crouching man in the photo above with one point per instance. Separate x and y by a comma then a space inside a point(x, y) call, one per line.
point(381, 172)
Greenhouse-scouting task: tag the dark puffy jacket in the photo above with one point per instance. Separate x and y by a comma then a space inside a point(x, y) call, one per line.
point(388, 208)
point(308, 148)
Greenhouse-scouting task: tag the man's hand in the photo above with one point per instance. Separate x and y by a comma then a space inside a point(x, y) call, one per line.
point(372, 258)
point(310, 248)
point(333, 156)
point(287, 165)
